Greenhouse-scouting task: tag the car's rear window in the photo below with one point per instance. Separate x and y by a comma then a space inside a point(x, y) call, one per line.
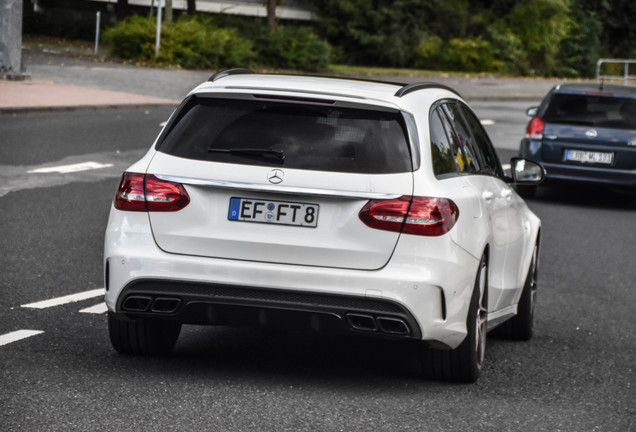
point(592, 110)
point(321, 137)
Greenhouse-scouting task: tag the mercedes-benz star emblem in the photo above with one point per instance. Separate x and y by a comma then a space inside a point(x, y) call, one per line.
point(276, 176)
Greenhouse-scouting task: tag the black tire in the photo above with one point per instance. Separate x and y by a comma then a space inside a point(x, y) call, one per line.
point(142, 336)
point(520, 326)
point(464, 363)
point(527, 191)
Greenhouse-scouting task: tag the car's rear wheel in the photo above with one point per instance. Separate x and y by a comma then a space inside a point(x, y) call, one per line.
point(142, 336)
point(520, 326)
point(464, 363)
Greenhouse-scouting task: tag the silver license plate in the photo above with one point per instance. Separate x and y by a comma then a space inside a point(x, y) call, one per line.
point(589, 157)
point(273, 212)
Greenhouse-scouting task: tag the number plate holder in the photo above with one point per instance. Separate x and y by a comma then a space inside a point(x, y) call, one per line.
point(273, 212)
point(590, 157)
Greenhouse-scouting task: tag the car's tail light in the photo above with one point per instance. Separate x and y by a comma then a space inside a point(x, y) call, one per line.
point(534, 131)
point(411, 215)
point(145, 192)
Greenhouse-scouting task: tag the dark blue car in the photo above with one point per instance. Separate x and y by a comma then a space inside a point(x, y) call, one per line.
point(584, 132)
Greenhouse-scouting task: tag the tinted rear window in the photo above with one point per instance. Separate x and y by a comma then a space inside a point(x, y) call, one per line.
point(592, 110)
point(313, 137)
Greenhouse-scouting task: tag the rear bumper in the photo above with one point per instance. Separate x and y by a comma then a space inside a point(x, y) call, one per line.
point(423, 292)
point(602, 175)
point(215, 304)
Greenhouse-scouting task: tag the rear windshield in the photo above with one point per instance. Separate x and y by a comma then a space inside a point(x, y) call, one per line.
point(292, 135)
point(592, 110)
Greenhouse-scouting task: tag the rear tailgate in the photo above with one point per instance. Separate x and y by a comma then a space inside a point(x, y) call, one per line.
point(588, 145)
point(282, 179)
point(330, 235)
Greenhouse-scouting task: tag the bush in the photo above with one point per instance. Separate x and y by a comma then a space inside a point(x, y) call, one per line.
point(460, 54)
point(293, 48)
point(195, 43)
point(132, 38)
point(190, 42)
point(471, 55)
point(428, 54)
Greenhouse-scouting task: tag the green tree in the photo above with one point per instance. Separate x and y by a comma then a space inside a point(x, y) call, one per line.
point(373, 31)
point(618, 38)
point(540, 26)
point(582, 47)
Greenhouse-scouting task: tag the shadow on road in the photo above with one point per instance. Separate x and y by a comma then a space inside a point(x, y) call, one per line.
point(589, 196)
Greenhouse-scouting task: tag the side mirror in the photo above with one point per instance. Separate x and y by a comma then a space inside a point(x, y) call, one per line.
point(526, 172)
point(532, 111)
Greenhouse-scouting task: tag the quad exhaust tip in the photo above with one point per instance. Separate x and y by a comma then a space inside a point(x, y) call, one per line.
point(162, 305)
point(389, 325)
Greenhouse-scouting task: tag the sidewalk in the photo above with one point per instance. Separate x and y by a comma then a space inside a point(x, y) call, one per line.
point(17, 96)
point(59, 81)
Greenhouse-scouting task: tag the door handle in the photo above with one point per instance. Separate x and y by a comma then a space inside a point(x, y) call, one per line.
point(507, 194)
point(487, 195)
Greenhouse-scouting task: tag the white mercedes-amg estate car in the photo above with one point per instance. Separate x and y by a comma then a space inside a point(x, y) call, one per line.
point(325, 204)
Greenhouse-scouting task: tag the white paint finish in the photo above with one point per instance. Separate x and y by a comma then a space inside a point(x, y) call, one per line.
point(340, 239)
point(66, 299)
point(97, 309)
point(65, 169)
point(17, 335)
point(199, 243)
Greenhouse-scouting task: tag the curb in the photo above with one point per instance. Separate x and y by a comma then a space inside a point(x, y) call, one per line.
point(69, 108)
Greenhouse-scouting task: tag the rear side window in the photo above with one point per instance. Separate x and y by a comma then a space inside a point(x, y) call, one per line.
point(591, 110)
point(484, 146)
point(443, 151)
point(292, 135)
point(459, 144)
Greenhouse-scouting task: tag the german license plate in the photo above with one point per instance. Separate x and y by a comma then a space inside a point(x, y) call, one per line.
point(273, 212)
point(589, 157)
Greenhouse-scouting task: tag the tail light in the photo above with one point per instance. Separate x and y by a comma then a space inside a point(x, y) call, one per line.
point(411, 215)
point(145, 192)
point(534, 130)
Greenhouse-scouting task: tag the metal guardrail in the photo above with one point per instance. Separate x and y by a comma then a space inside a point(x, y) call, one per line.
point(625, 76)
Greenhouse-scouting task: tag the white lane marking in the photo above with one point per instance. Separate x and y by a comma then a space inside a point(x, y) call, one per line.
point(17, 335)
point(99, 308)
point(65, 169)
point(505, 166)
point(487, 122)
point(66, 299)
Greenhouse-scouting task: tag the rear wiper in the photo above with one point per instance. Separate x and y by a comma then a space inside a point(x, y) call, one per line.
point(276, 154)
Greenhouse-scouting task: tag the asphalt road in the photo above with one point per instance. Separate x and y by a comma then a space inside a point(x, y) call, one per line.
point(576, 374)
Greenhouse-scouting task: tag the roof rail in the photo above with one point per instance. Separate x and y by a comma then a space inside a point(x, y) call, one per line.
point(423, 85)
point(228, 72)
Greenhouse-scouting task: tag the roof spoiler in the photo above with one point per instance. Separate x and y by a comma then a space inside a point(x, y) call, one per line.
point(228, 72)
point(404, 90)
point(409, 88)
